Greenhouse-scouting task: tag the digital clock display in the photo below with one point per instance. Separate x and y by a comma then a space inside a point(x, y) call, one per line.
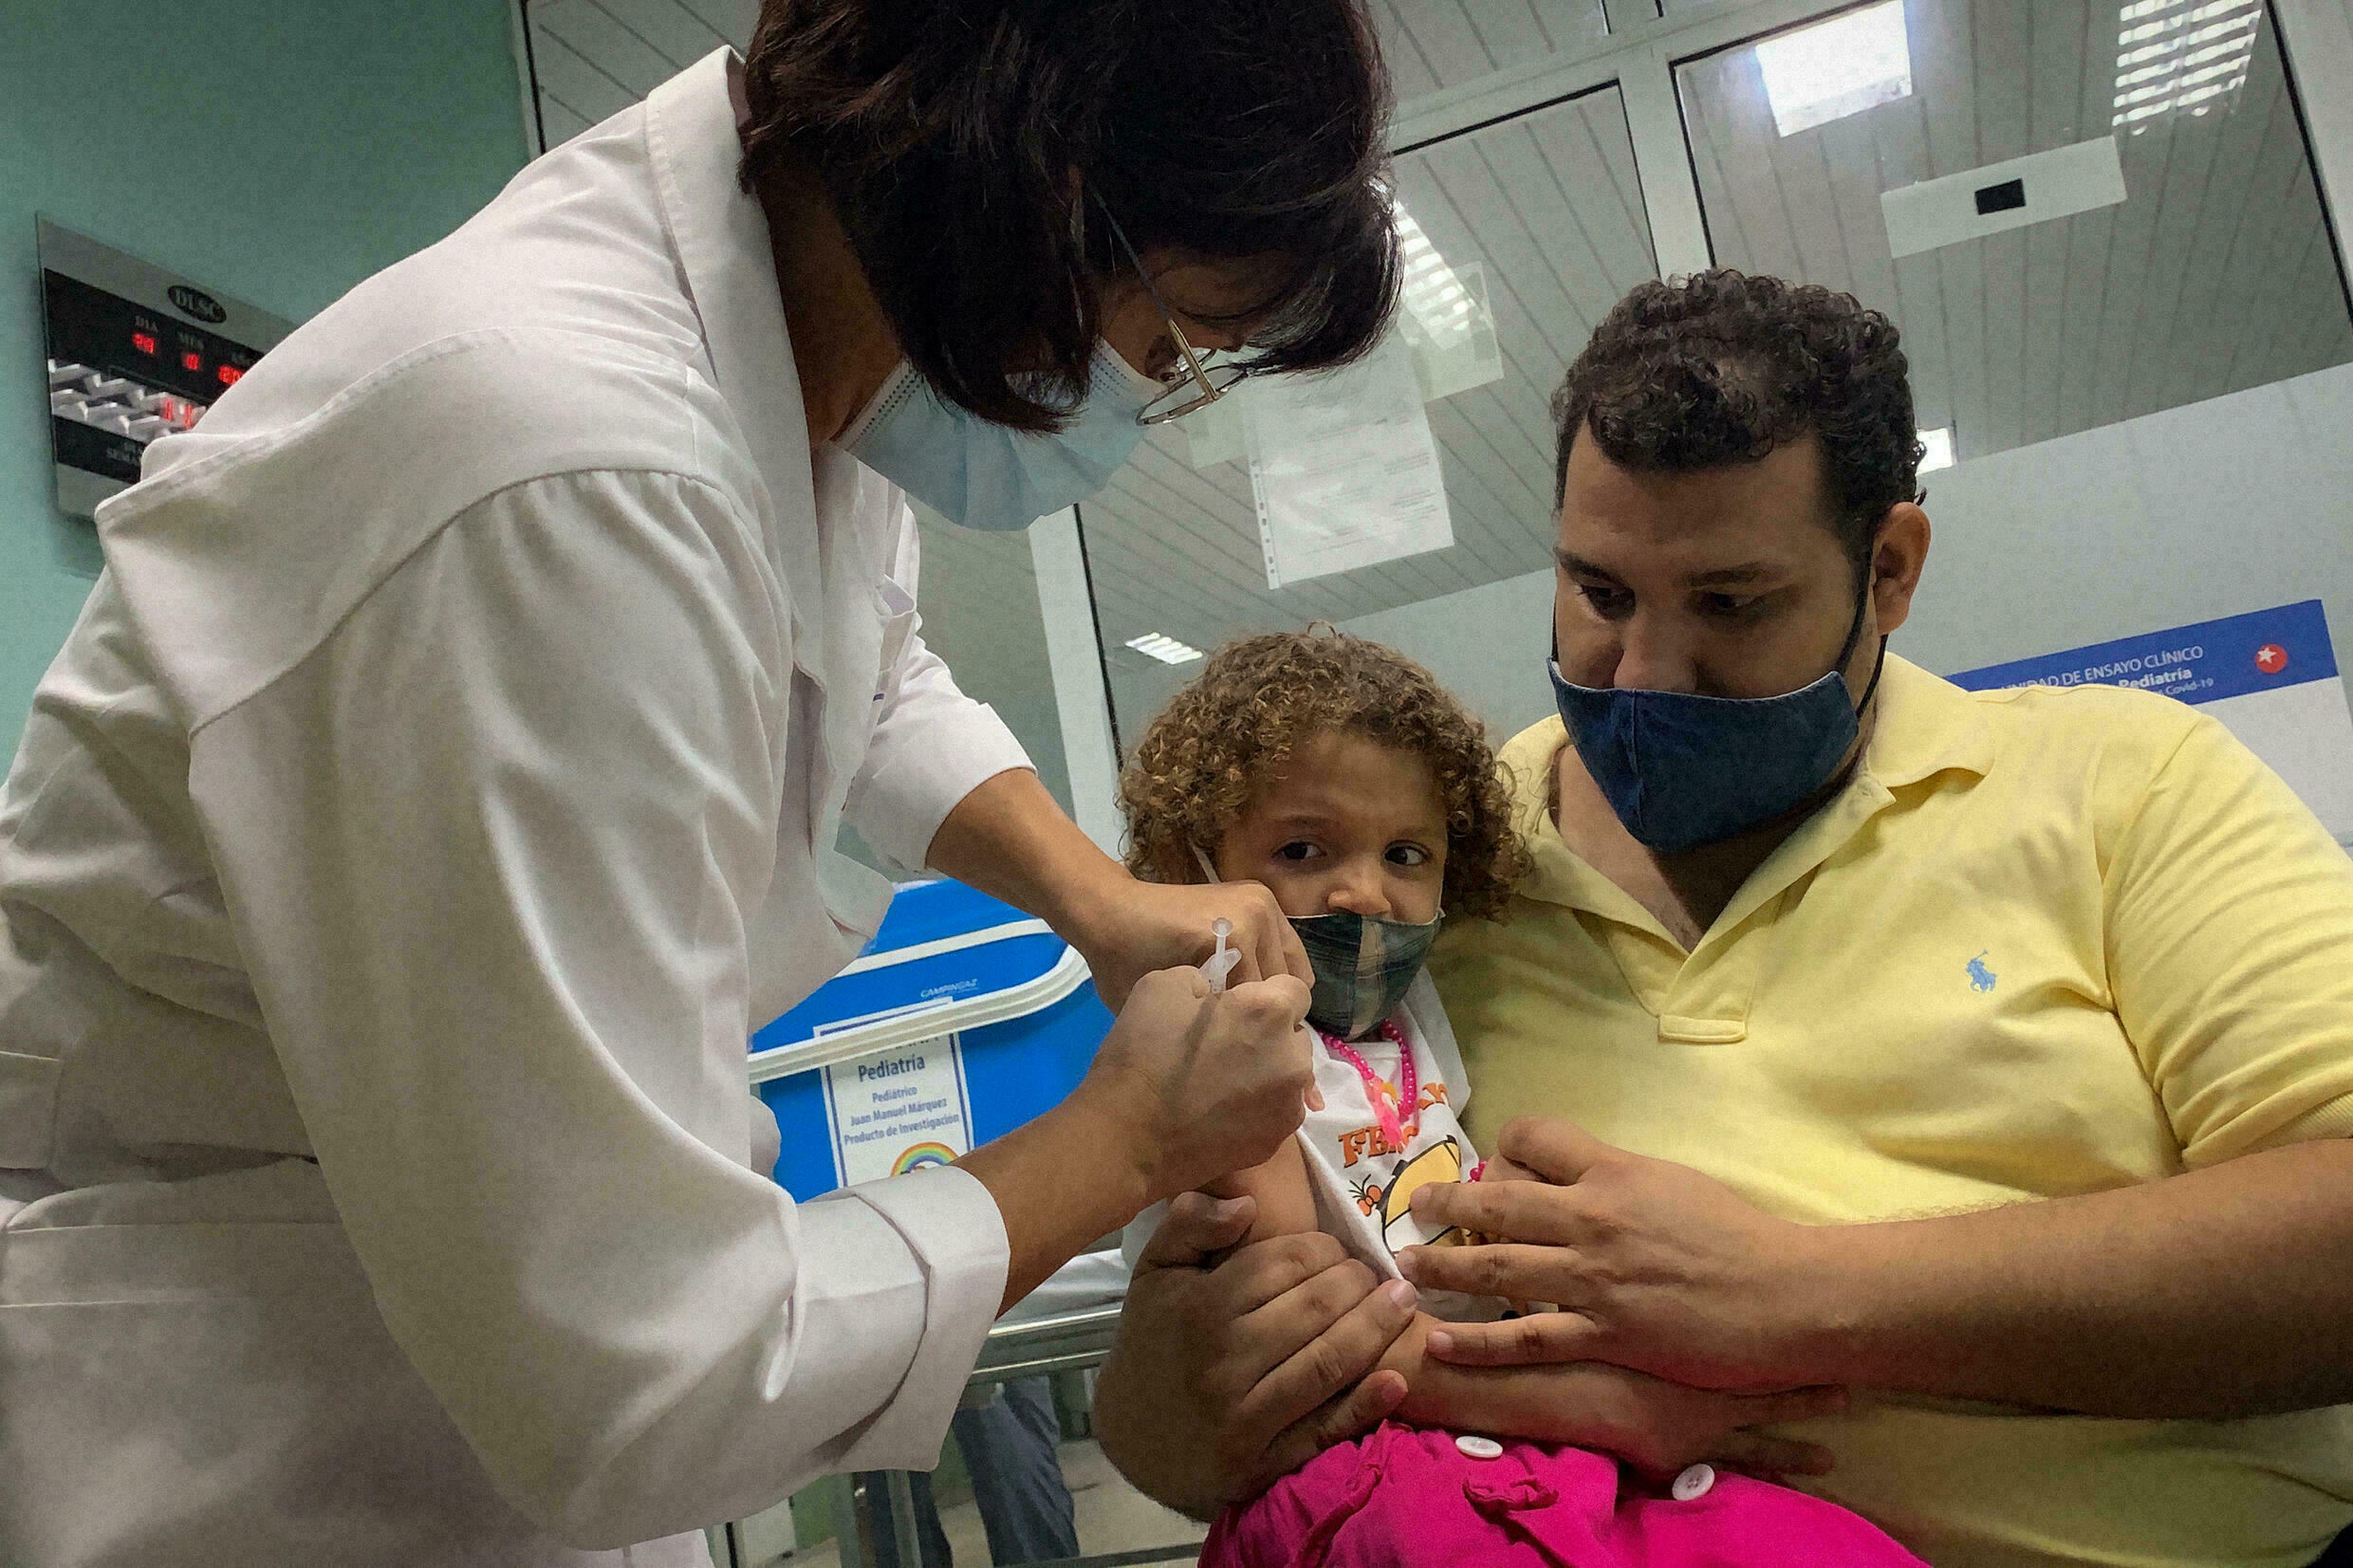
point(134, 354)
point(115, 337)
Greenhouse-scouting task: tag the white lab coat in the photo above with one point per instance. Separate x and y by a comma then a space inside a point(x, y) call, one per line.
point(441, 779)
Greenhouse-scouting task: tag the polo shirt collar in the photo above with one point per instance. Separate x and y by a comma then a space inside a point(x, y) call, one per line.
point(1923, 726)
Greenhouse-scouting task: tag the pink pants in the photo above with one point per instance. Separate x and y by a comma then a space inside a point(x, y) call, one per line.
point(1408, 1496)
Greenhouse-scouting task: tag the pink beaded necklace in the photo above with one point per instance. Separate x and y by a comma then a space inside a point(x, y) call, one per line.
point(1386, 1100)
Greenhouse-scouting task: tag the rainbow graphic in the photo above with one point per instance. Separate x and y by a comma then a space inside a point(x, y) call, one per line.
point(916, 1156)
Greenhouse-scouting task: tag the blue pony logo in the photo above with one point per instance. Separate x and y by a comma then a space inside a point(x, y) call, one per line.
point(1980, 978)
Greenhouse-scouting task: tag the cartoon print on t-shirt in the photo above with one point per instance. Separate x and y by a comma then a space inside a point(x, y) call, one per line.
point(1440, 1162)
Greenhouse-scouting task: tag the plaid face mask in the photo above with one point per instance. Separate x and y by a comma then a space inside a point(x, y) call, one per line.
point(1363, 964)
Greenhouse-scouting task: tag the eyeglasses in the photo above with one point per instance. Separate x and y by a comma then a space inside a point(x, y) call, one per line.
point(1204, 382)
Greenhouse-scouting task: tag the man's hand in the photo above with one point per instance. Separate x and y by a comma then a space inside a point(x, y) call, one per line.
point(1658, 1426)
point(1227, 1377)
point(1654, 1267)
point(1131, 929)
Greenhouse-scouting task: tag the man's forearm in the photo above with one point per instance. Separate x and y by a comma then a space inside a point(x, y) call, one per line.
point(2219, 1293)
point(1009, 840)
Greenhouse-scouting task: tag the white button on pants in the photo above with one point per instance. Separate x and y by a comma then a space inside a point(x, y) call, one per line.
point(1695, 1484)
point(1479, 1448)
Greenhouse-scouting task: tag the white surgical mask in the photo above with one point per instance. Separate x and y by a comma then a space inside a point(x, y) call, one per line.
point(986, 475)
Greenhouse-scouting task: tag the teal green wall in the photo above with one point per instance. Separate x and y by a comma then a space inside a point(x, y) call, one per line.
point(276, 149)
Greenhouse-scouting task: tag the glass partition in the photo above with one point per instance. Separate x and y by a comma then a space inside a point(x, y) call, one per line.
point(1533, 227)
point(2130, 221)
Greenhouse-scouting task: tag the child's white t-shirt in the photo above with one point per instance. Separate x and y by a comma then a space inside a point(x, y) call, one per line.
point(1362, 1187)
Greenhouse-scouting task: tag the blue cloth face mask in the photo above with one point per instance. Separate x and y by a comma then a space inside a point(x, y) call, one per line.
point(1362, 963)
point(1683, 770)
point(986, 475)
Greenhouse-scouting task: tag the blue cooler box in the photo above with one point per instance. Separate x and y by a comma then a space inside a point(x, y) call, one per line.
point(963, 1019)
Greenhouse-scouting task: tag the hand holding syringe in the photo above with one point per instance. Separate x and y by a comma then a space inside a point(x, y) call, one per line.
point(1220, 964)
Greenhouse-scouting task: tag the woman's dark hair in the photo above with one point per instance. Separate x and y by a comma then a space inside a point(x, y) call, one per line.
point(1722, 367)
point(972, 148)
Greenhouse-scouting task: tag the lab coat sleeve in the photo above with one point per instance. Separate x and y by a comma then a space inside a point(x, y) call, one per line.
point(490, 851)
point(931, 745)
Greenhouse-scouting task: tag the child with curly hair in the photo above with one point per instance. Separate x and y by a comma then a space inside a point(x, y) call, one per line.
point(1342, 775)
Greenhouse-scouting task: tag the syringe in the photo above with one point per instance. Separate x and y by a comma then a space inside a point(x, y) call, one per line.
point(1221, 963)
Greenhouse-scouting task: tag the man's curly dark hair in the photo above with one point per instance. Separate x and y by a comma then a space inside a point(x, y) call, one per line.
point(1722, 367)
point(1218, 741)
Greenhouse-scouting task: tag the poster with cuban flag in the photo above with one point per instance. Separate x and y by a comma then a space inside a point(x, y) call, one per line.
point(2270, 676)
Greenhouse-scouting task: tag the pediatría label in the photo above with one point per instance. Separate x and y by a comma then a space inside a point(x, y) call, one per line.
point(899, 1110)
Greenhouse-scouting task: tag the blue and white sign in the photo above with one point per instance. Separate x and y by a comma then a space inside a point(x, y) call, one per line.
point(2270, 676)
point(897, 1110)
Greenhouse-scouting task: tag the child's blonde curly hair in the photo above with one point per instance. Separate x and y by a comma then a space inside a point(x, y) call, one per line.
point(1205, 759)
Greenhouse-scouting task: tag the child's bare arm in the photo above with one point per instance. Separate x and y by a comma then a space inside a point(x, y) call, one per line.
point(1285, 1201)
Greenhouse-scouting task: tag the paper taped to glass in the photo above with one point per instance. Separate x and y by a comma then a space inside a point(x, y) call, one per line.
point(1344, 467)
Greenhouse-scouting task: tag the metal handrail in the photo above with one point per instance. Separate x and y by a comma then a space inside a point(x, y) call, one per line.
point(1064, 1342)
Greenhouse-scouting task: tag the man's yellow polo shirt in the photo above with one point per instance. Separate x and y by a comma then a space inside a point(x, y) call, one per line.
point(2043, 943)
